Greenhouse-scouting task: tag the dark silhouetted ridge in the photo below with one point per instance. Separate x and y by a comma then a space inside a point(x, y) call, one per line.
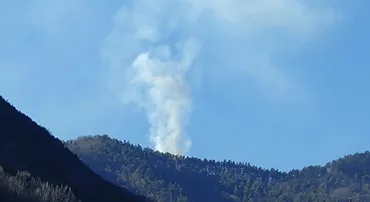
point(166, 177)
point(27, 146)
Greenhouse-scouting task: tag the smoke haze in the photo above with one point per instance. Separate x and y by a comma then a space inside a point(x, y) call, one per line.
point(154, 44)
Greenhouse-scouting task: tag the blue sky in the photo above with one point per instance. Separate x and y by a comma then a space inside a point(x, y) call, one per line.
point(280, 84)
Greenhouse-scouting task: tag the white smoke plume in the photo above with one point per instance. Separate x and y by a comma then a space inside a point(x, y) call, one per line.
point(154, 44)
point(165, 95)
point(154, 74)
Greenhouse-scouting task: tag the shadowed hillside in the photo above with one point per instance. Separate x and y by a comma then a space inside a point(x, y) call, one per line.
point(23, 187)
point(168, 178)
point(51, 172)
point(26, 146)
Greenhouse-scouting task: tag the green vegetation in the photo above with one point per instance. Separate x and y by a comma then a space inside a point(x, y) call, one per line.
point(38, 167)
point(167, 178)
point(23, 187)
point(26, 146)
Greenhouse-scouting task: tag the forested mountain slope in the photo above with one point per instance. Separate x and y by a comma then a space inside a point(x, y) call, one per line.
point(50, 169)
point(22, 187)
point(26, 146)
point(168, 178)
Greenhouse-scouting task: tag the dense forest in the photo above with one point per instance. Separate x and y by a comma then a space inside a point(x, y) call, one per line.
point(36, 166)
point(165, 177)
point(27, 149)
point(23, 187)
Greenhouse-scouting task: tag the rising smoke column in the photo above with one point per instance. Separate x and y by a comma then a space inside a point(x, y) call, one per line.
point(165, 95)
point(154, 44)
point(153, 73)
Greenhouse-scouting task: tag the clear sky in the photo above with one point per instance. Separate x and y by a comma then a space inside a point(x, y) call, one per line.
point(277, 83)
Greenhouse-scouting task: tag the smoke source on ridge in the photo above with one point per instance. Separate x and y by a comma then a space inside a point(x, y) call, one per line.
point(153, 73)
point(154, 44)
point(159, 82)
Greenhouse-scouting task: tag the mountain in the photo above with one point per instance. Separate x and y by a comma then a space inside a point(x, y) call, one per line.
point(167, 178)
point(36, 166)
point(23, 187)
point(26, 146)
